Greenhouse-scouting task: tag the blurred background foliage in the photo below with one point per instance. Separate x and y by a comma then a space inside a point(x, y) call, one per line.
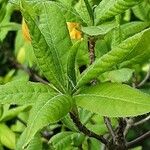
point(17, 62)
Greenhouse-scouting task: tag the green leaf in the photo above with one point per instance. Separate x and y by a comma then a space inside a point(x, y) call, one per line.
point(142, 11)
point(85, 116)
point(71, 72)
point(67, 7)
point(110, 8)
point(2, 10)
point(66, 139)
point(21, 93)
point(95, 144)
point(131, 51)
point(119, 76)
point(131, 28)
point(46, 111)
point(67, 121)
point(11, 113)
point(99, 30)
point(36, 142)
point(83, 8)
point(7, 137)
point(50, 39)
point(6, 21)
point(113, 100)
point(10, 26)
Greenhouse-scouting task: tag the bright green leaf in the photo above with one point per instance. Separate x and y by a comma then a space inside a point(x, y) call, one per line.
point(99, 30)
point(83, 9)
point(66, 139)
point(119, 76)
point(110, 8)
point(50, 39)
point(35, 144)
point(21, 92)
point(142, 11)
point(7, 137)
point(71, 65)
point(113, 100)
point(131, 51)
point(46, 111)
point(11, 113)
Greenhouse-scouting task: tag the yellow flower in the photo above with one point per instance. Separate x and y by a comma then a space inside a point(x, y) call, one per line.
point(73, 27)
point(25, 31)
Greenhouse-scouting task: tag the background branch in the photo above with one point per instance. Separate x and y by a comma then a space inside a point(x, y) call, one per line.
point(145, 79)
point(110, 128)
point(32, 73)
point(138, 140)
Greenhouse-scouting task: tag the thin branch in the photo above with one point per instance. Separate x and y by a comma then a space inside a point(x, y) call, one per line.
point(128, 126)
point(29, 71)
point(131, 123)
point(110, 128)
point(145, 79)
point(142, 121)
point(138, 140)
point(86, 131)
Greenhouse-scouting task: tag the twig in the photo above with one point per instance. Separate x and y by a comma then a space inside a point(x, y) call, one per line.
point(110, 128)
point(128, 126)
point(29, 71)
point(138, 140)
point(86, 131)
point(131, 123)
point(134, 81)
point(141, 121)
point(145, 79)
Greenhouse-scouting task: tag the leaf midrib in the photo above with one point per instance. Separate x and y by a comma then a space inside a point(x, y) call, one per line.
point(104, 96)
point(47, 46)
point(57, 55)
point(37, 114)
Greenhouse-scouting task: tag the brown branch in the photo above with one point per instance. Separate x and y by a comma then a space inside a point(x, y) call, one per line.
point(120, 139)
point(141, 121)
point(86, 131)
point(29, 71)
point(91, 47)
point(138, 140)
point(110, 128)
point(131, 123)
